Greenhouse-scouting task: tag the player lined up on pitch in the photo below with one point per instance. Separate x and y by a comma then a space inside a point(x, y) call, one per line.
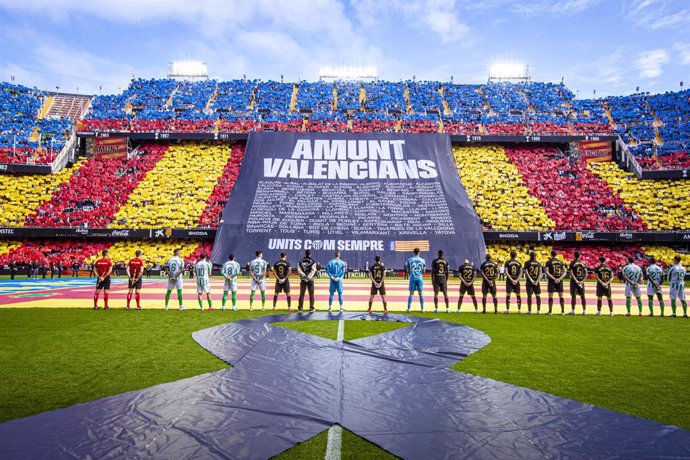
point(554, 271)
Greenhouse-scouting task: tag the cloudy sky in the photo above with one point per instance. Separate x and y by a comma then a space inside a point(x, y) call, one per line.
point(611, 46)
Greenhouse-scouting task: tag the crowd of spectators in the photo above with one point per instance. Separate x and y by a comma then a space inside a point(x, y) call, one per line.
point(95, 191)
point(215, 203)
point(174, 193)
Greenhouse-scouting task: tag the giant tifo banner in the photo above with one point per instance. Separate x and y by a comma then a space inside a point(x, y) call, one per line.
point(361, 194)
point(595, 151)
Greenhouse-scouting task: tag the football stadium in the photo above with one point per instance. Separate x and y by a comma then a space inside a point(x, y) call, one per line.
point(344, 260)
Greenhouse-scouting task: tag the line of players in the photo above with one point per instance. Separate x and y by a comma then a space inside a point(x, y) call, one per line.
point(554, 270)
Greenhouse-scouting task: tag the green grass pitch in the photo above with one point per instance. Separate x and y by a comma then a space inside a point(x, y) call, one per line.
point(55, 358)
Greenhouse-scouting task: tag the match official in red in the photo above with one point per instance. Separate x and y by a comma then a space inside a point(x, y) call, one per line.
point(103, 268)
point(135, 270)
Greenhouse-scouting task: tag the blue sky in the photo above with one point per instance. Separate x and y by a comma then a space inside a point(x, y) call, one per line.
point(608, 45)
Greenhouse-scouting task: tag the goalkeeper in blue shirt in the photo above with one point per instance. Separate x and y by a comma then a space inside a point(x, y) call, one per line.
point(335, 269)
point(415, 269)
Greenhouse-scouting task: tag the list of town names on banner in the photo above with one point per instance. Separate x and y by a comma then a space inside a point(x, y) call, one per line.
point(354, 208)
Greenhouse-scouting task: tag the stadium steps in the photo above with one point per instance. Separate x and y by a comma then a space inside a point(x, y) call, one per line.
point(41, 115)
point(170, 100)
point(446, 107)
point(293, 99)
point(69, 106)
point(335, 98)
point(362, 96)
point(209, 104)
point(406, 97)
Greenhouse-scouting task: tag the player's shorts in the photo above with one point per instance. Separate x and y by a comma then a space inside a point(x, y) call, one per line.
point(283, 287)
point(261, 285)
point(510, 287)
point(204, 287)
point(439, 285)
point(136, 284)
point(105, 284)
point(416, 284)
point(631, 291)
point(230, 285)
point(677, 291)
point(576, 290)
point(176, 284)
point(603, 291)
point(554, 287)
point(532, 288)
point(466, 289)
point(486, 288)
point(380, 290)
point(336, 286)
point(651, 290)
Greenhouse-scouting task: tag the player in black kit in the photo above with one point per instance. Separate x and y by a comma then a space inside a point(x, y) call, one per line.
point(489, 271)
point(307, 269)
point(513, 271)
point(467, 274)
point(578, 275)
point(377, 275)
point(439, 280)
point(533, 271)
point(555, 272)
point(281, 270)
point(604, 275)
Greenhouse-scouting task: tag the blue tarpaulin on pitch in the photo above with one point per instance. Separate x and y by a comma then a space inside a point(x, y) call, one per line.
point(394, 389)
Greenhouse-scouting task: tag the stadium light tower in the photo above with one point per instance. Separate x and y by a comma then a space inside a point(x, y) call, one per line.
point(348, 72)
point(508, 71)
point(188, 69)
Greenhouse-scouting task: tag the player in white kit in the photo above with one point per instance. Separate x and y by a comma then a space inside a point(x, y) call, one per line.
point(676, 277)
point(230, 271)
point(258, 269)
point(632, 274)
point(203, 281)
point(175, 267)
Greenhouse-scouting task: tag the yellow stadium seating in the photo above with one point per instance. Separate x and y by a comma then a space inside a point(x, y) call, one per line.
point(20, 195)
point(174, 193)
point(496, 189)
point(155, 251)
point(666, 254)
point(500, 252)
point(663, 204)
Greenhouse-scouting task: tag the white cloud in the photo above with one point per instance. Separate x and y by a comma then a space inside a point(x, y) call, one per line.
point(439, 16)
point(650, 63)
point(561, 7)
point(657, 14)
point(683, 51)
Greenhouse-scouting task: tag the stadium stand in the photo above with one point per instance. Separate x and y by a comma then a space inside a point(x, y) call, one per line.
point(154, 251)
point(571, 194)
point(53, 251)
point(174, 192)
point(663, 204)
point(215, 203)
point(21, 195)
point(497, 190)
point(95, 191)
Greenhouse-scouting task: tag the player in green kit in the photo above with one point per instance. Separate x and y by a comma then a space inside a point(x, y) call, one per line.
point(676, 277)
point(202, 269)
point(513, 271)
point(258, 269)
point(230, 271)
point(655, 278)
point(632, 275)
point(175, 267)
